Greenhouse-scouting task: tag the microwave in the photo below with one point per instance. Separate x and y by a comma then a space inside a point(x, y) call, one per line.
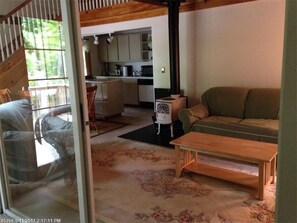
point(147, 70)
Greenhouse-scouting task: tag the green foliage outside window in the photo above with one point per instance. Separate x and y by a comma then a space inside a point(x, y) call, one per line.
point(44, 44)
point(45, 58)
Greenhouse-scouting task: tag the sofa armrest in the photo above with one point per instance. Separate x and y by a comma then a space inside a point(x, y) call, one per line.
point(191, 115)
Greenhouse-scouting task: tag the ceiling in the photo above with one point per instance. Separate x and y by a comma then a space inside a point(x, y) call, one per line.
point(8, 5)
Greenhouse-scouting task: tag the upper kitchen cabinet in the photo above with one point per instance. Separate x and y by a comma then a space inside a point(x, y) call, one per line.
point(146, 46)
point(103, 54)
point(126, 47)
point(123, 48)
point(112, 50)
point(135, 47)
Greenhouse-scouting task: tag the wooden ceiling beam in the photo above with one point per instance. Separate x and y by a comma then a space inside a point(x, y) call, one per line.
point(139, 10)
point(198, 5)
point(118, 10)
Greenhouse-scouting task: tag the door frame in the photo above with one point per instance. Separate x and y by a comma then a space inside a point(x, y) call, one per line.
point(79, 110)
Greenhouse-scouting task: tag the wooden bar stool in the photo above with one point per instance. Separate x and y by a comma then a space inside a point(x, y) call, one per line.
point(5, 95)
point(91, 93)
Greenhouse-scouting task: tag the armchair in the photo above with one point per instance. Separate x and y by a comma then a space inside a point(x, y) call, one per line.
point(17, 138)
point(56, 130)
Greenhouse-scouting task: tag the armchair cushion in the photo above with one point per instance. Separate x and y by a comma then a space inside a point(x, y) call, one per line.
point(58, 132)
point(18, 138)
point(16, 116)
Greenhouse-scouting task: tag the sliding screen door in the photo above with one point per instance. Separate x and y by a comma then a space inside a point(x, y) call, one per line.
point(42, 139)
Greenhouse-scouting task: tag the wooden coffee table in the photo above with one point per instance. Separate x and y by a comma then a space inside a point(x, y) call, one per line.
point(188, 146)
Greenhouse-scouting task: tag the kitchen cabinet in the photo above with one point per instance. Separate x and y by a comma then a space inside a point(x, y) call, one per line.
point(126, 48)
point(146, 46)
point(123, 48)
point(130, 92)
point(103, 55)
point(135, 47)
point(112, 49)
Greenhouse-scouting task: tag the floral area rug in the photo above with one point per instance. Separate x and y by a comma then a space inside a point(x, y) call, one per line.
point(135, 183)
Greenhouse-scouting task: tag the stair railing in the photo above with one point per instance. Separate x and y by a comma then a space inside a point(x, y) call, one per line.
point(11, 24)
point(10, 30)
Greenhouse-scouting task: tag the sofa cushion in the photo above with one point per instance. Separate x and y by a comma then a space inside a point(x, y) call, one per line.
point(225, 101)
point(235, 127)
point(216, 121)
point(263, 103)
point(271, 124)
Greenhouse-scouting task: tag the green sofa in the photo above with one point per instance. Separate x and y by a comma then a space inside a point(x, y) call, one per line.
point(236, 112)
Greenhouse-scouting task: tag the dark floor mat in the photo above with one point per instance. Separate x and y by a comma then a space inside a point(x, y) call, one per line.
point(148, 134)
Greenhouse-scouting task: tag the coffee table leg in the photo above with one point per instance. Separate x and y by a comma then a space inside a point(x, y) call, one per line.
point(186, 157)
point(261, 180)
point(177, 162)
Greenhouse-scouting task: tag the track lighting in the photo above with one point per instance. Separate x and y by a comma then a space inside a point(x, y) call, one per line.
point(109, 39)
point(96, 41)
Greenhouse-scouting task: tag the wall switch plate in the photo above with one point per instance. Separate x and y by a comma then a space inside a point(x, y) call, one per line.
point(163, 70)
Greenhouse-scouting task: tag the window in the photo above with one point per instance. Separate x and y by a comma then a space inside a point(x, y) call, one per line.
point(45, 56)
point(47, 78)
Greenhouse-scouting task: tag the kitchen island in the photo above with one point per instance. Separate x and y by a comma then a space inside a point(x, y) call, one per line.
point(137, 90)
point(109, 98)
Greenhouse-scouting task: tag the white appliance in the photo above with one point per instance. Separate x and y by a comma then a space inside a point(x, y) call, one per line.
point(167, 111)
point(146, 91)
point(125, 71)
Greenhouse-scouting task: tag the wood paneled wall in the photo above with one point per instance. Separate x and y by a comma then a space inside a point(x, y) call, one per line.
point(13, 72)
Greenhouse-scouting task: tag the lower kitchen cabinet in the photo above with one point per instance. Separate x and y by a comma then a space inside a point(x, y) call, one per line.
point(130, 92)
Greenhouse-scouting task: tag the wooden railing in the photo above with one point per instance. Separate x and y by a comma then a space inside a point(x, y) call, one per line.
point(85, 5)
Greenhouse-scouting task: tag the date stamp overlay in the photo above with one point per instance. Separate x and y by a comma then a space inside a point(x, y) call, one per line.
point(32, 220)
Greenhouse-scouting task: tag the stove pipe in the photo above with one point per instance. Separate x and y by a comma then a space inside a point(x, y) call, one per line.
point(173, 24)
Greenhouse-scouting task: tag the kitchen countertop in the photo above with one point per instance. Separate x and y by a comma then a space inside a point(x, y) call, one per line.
point(103, 80)
point(96, 78)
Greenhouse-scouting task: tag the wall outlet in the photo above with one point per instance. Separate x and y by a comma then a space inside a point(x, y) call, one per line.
point(163, 70)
